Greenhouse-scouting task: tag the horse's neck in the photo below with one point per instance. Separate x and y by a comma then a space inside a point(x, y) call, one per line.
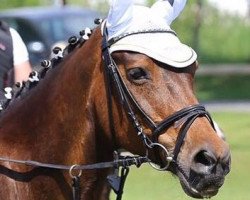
point(56, 112)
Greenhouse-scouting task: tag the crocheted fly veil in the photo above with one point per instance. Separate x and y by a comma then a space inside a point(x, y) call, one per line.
point(147, 30)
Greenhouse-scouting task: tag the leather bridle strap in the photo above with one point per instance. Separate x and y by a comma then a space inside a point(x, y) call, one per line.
point(128, 161)
point(182, 135)
point(184, 117)
point(125, 96)
point(180, 117)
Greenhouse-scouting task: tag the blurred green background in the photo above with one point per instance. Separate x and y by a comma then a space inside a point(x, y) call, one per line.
point(222, 41)
point(218, 37)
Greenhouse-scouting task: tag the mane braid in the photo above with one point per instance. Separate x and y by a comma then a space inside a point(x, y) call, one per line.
point(10, 95)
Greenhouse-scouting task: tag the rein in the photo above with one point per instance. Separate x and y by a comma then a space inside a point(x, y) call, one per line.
point(75, 171)
point(119, 162)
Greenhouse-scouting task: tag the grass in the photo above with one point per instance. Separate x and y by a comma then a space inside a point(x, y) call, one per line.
point(148, 184)
point(223, 87)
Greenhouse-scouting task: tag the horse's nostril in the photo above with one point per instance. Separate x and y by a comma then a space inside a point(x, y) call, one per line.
point(226, 163)
point(205, 162)
point(205, 158)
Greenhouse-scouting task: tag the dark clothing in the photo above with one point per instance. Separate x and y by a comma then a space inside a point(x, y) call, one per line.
point(6, 54)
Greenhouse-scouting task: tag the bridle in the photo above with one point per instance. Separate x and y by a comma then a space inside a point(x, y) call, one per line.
point(184, 117)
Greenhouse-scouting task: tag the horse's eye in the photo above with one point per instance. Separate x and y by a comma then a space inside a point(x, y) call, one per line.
point(137, 74)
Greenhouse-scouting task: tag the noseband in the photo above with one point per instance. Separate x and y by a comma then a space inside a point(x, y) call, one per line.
point(184, 117)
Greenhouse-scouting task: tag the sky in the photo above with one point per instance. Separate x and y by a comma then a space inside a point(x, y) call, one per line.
point(234, 6)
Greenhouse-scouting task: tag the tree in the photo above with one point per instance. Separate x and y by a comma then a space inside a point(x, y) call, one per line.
point(197, 24)
point(150, 2)
point(17, 3)
point(60, 2)
point(248, 10)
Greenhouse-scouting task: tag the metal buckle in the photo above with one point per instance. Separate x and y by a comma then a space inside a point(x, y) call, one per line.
point(72, 169)
point(169, 158)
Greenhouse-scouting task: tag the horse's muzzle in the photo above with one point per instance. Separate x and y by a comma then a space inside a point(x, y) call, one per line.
point(206, 175)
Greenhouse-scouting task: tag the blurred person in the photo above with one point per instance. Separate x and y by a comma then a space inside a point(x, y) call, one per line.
point(14, 58)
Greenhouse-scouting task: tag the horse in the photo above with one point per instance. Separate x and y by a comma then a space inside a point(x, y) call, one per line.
point(91, 103)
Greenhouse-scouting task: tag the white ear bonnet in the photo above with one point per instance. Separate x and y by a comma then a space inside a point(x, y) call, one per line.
point(151, 32)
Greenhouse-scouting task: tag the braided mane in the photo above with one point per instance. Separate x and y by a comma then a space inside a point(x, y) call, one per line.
point(12, 94)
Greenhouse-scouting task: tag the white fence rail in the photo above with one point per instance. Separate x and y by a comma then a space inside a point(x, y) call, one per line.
point(224, 69)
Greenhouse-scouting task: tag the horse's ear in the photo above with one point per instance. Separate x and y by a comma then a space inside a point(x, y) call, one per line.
point(168, 9)
point(119, 17)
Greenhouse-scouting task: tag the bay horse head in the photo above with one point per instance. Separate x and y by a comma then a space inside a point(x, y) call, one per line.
point(127, 86)
point(153, 75)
